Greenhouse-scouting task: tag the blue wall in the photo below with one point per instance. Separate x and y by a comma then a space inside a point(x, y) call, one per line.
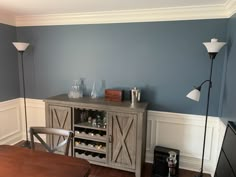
point(229, 94)
point(164, 59)
point(9, 78)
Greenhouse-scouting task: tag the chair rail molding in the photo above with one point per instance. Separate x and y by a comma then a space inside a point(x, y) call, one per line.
point(173, 130)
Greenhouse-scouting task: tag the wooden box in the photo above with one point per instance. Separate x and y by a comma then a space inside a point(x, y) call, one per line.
point(114, 95)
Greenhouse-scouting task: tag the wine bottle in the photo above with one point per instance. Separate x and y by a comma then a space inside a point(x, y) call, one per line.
point(87, 153)
point(101, 156)
point(94, 154)
point(80, 151)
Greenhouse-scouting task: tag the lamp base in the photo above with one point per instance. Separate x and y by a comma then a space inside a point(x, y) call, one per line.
point(26, 144)
point(201, 175)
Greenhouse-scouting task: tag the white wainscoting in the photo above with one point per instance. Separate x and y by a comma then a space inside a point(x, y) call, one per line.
point(35, 113)
point(185, 132)
point(10, 122)
point(174, 130)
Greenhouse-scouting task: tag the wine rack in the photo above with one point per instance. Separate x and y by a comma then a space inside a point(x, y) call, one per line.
point(90, 130)
point(91, 156)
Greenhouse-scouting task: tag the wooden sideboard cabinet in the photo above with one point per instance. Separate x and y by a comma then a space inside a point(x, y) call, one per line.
point(111, 134)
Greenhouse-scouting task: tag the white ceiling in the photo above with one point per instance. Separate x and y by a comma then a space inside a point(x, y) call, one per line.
point(45, 7)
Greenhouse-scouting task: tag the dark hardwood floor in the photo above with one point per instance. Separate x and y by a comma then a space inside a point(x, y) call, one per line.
point(98, 171)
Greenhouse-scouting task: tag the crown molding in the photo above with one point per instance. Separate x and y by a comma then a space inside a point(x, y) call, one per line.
point(230, 6)
point(7, 19)
point(225, 10)
point(125, 16)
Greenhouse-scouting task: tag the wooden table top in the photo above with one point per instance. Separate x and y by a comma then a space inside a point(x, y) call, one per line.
point(21, 162)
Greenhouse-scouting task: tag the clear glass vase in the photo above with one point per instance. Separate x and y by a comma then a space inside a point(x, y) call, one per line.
point(82, 87)
point(102, 88)
point(94, 93)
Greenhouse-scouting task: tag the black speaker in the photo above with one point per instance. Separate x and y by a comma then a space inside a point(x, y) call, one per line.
point(160, 165)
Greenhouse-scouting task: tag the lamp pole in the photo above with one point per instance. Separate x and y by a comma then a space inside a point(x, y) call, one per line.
point(206, 119)
point(26, 143)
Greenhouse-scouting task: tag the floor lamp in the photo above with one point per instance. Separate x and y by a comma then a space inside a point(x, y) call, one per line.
point(213, 48)
point(21, 47)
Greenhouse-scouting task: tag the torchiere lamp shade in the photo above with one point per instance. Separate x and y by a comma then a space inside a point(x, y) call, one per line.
point(194, 94)
point(21, 46)
point(214, 46)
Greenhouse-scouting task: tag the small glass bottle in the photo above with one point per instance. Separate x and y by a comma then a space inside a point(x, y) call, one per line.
point(81, 87)
point(94, 122)
point(104, 122)
point(90, 120)
point(99, 121)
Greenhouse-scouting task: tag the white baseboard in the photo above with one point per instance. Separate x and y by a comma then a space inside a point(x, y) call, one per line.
point(174, 130)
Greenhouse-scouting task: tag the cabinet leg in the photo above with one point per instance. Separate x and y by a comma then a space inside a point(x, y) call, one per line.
point(138, 173)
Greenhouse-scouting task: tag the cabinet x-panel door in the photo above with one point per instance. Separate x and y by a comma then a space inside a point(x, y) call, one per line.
point(122, 139)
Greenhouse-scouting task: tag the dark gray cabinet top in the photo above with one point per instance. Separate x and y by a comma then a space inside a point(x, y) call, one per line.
point(97, 103)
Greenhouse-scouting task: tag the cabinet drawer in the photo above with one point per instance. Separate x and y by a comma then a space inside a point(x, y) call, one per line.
point(229, 143)
point(223, 167)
